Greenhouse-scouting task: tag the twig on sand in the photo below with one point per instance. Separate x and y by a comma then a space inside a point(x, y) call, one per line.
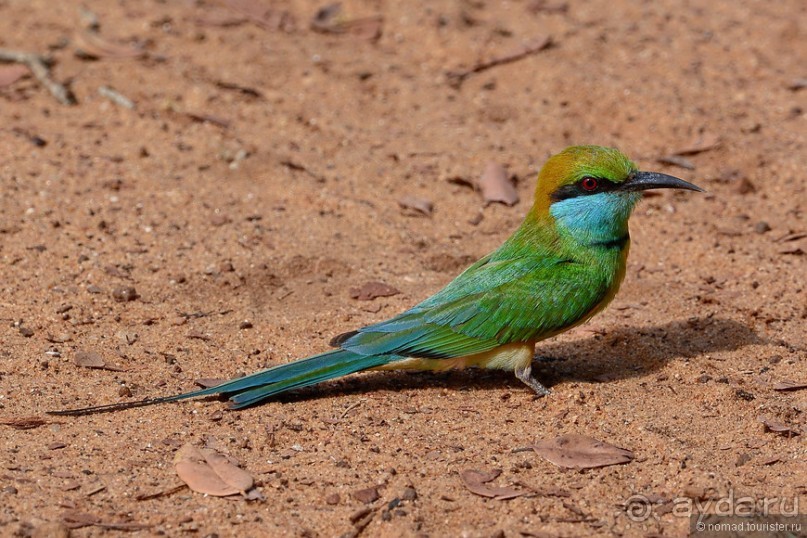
point(39, 67)
point(456, 78)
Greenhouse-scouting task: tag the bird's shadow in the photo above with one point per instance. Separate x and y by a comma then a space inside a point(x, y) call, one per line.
point(620, 354)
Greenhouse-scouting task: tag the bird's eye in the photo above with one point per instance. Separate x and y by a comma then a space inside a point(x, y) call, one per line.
point(589, 184)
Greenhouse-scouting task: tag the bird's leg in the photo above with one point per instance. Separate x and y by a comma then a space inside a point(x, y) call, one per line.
point(524, 374)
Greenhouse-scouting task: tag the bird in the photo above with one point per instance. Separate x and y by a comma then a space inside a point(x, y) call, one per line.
point(563, 265)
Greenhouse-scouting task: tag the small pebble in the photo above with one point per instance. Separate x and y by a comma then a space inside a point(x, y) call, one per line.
point(366, 495)
point(124, 294)
point(409, 494)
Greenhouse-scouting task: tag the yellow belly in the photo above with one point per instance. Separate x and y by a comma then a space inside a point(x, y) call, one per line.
point(506, 357)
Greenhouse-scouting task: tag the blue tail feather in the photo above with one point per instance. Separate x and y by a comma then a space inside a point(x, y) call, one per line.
point(249, 390)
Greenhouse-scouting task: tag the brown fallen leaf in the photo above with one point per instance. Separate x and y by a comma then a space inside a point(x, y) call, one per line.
point(704, 142)
point(93, 46)
point(221, 17)
point(417, 205)
point(476, 482)
point(202, 117)
point(330, 20)
point(75, 519)
point(444, 262)
point(542, 6)
point(257, 12)
point(787, 384)
point(676, 160)
point(229, 473)
point(91, 359)
point(24, 423)
point(207, 382)
point(372, 290)
point(496, 186)
point(9, 74)
point(777, 427)
point(797, 84)
point(245, 90)
point(576, 451)
point(790, 236)
point(206, 471)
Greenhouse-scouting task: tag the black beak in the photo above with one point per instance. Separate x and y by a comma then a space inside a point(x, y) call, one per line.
point(642, 181)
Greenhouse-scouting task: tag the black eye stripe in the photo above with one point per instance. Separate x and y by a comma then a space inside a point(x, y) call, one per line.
point(574, 190)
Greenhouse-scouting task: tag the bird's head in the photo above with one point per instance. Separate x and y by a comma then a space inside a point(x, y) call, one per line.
point(590, 191)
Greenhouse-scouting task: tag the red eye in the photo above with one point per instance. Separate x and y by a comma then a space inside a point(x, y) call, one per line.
point(589, 184)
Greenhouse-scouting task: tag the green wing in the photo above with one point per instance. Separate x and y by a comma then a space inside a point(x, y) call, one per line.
point(493, 302)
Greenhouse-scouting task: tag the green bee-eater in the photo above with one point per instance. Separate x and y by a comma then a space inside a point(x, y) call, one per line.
point(561, 266)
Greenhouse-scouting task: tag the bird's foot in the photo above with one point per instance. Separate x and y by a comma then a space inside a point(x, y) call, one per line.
point(525, 376)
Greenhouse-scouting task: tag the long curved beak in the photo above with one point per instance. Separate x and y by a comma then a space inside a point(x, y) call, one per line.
point(642, 181)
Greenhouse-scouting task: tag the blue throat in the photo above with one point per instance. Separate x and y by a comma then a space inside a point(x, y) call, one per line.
point(595, 220)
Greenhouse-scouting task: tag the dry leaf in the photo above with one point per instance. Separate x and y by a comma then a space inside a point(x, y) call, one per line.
point(24, 423)
point(258, 13)
point(797, 84)
point(444, 262)
point(90, 44)
point(220, 17)
point(329, 20)
point(778, 427)
point(9, 74)
point(704, 142)
point(787, 384)
point(496, 186)
point(75, 520)
point(476, 482)
point(581, 452)
point(207, 382)
point(91, 359)
point(676, 160)
point(202, 117)
point(231, 474)
point(418, 205)
point(372, 290)
point(206, 471)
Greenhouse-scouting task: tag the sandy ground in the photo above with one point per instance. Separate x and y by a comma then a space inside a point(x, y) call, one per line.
point(257, 180)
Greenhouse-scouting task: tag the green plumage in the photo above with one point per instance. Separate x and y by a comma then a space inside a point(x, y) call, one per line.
point(515, 294)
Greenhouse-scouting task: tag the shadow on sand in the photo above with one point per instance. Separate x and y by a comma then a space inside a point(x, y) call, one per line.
point(623, 353)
